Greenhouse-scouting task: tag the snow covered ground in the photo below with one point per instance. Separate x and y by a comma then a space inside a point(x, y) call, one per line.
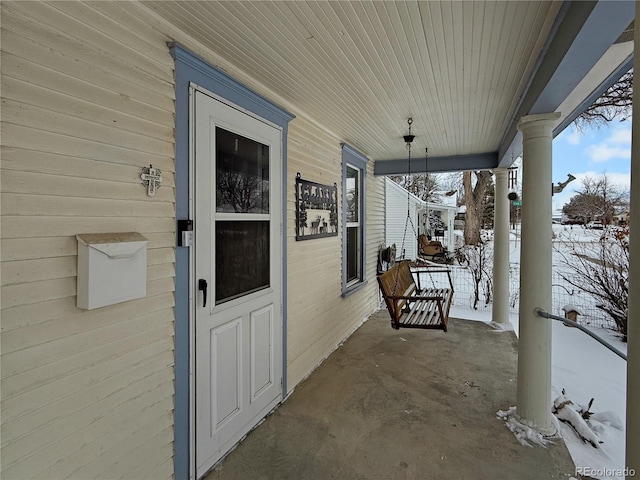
point(584, 369)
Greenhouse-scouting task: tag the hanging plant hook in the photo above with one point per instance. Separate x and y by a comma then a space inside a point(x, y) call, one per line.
point(409, 138)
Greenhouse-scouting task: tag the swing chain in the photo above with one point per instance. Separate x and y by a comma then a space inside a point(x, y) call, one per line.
point(408, 139)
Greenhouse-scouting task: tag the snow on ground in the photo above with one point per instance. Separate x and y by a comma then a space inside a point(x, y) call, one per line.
point(585, 369)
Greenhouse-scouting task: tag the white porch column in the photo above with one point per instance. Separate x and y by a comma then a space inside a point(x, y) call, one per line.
point(633, 317)
point(500, 312)
point(534, 350)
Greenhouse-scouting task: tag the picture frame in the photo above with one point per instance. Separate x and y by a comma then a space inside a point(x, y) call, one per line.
point(316, 209)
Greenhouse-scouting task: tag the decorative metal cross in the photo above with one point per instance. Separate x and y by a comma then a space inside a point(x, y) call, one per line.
point(151, 179)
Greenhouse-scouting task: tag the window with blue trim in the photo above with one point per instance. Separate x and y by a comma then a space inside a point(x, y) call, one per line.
point(354, 167)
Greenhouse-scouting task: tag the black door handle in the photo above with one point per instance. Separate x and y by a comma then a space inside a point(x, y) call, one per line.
point(202, 285)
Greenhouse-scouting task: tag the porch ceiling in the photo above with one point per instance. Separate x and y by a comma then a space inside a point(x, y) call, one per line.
point(463, 70)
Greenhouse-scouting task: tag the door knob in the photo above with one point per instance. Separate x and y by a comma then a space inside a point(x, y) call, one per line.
point(202, 285)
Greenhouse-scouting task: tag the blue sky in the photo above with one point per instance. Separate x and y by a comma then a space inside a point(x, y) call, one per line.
point(592, 152)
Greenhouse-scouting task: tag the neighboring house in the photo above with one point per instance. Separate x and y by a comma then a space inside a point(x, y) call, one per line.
point(460, 216)
point(229, 103)
point(620, 216)
point(438, 219)
point(399, 229)
point(403, 228)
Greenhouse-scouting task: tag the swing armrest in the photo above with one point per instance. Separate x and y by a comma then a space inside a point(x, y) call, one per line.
point(429, 270)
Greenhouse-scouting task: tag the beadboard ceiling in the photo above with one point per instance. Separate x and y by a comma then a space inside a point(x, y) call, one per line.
point(460, 69)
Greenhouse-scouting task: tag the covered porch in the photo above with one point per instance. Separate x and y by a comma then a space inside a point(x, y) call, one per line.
point(400, 404)
point(97, 91)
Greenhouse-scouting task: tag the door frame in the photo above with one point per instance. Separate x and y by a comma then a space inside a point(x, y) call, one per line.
point(238, 122)
point(192, 72)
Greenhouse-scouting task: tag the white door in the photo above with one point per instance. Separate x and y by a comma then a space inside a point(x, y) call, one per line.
point(238, 275)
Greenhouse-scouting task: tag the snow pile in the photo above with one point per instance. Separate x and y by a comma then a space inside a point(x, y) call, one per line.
point(501, 327)
point(586, 369)
point(606, 419)
point(597, 443)
point(523, 433)
point(585, 433)
point(577, 419)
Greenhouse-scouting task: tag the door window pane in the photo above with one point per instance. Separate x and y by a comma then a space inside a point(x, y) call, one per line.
point(242, 174)
point(242, 258)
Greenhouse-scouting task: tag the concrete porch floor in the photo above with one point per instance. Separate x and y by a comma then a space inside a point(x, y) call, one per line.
point(407, 404)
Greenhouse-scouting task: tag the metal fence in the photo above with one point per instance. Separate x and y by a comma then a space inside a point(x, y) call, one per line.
point(563, 296)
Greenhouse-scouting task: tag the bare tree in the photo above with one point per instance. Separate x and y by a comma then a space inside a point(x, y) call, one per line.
point(601, 270)
point(614, 104)
point(451, 181)
point(475, 201)
point(597, 200)
point(240, 192)
point(422, 185)
point(479, 261)
point(582, 208)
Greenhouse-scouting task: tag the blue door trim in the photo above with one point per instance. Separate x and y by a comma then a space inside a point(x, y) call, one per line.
point(189, 69)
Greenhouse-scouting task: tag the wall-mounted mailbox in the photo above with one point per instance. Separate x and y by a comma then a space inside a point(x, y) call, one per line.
point(112, 268)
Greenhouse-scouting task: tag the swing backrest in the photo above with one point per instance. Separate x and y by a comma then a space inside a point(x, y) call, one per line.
point(429, 247)
point(397, 282)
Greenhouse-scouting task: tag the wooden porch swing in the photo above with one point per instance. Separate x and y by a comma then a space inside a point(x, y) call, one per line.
point(410, 305)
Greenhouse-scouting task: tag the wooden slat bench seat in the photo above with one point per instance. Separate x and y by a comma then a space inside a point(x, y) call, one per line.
point(412, 307)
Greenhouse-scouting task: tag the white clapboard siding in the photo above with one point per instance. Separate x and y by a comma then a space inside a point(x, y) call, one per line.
point(376, 228)
point(46, 102)
point(319, 318)
point(57, 328)
point(52, 415)
point(23, 114)
point(46, 184)
point(399, 231)
point(47, 226)
point(87, 101)
point(18, 136)
point(89, 423)
point(61, 206)
point(32, 161)
point(66, 84)
point(28, 270)
point(34, 248)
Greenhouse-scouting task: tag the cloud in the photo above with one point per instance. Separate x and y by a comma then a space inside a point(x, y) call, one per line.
point(622, 180)
point(574, 137)
point(571, 135)
point(621, 136)
point(616, 146)
point(603, 152)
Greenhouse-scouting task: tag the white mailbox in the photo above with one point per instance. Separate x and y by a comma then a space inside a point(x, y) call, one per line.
point(112, 268)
